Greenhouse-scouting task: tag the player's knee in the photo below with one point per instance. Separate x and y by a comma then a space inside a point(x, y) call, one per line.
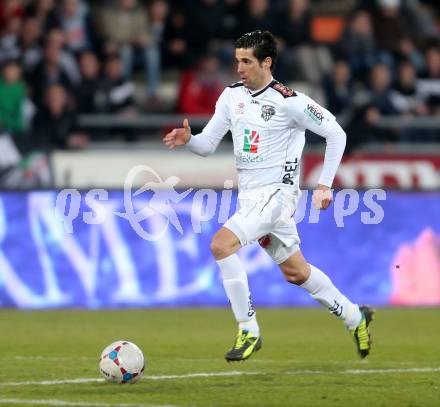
point(219, 249)
point(296, 274)
point(224, 243)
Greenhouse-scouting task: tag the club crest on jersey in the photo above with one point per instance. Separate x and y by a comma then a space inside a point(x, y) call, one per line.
point(267, 111)
point(315, 113)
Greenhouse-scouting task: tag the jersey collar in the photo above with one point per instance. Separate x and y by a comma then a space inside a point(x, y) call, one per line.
point(259, 92)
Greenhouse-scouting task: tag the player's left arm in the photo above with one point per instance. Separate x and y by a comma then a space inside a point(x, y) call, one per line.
point(311, 116)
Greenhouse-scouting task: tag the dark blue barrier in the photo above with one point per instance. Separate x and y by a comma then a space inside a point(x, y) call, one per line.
point(108, 264)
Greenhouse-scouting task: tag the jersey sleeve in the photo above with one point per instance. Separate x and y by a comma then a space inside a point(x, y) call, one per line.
point(306, 114)
point(207, 141)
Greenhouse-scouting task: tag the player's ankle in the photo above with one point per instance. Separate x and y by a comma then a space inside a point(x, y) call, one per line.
point(250, 326)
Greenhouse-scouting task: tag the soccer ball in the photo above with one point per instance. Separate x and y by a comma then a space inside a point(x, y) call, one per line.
point(122, 362)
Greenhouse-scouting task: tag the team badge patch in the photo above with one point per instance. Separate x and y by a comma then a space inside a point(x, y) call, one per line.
point(267, 111)
point(284, 90)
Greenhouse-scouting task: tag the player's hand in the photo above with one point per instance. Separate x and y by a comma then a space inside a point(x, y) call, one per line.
point(322, 197)
point(178, 137)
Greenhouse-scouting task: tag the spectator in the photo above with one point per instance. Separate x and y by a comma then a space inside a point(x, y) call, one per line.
point(77, 26)
point(231, 24)
point(230, 29)
point(116, 94)
point(45, 12)
point(12, 98)
point(302, 59)
point(380, 97)
point(338, 88)
point(389, 26)
point(88, 95)
point(9, 39)
point(87, 92)
point(133, 38)
point(358, 43)
point(159, 10)
point(22, 172)
point(206, 24)
point(68, 61)
point(55, 123)
point(50, 71)
point(422, 22)
point(31, 50)
point(429, 81)
point(404, 95)
point(377, 103)
point(432, 69)
point(176, 51)
point(256, 16)
point(10, 9)
point(201, 87)
point(408, 51)
point(294, 23)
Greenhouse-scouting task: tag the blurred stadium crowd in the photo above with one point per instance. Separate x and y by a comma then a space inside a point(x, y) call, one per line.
point(363, 60)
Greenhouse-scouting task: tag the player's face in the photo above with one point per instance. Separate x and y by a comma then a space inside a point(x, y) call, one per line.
point(253, 74)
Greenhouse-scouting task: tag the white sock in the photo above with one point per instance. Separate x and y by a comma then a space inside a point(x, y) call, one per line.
point(236, 286)
point(322, 289)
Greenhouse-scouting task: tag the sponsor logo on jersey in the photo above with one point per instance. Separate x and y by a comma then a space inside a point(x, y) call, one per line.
point(255, 102)
point(267, 111)
point(251, 141)
point(250, 157)
point(315, 113)
point(290, 168)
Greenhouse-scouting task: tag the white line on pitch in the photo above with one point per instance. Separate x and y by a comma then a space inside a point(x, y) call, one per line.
point(191, 375)
point(410, 370)
point(48, 358)
point(96, 380)
point(364, 371)
point(233, 373)
point(76, 403)
point(50, 382)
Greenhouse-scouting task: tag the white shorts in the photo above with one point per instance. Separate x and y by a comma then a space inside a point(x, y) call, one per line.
point(266, 214)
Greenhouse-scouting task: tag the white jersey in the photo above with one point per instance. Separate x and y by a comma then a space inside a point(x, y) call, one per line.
point(268, 129)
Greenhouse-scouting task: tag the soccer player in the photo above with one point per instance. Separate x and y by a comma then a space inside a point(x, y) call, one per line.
point(268, 122)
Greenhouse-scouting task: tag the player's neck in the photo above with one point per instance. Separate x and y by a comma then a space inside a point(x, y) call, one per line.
point(262, 84)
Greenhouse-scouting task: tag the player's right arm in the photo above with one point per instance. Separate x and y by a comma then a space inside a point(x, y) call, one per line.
point(178, 137)
point(208, 140)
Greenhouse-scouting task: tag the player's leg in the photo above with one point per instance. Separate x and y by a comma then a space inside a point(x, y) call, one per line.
point(297, 271)
point(260, 210)
point(224, 246)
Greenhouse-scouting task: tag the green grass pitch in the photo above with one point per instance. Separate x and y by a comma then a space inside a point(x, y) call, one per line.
point(307, 359)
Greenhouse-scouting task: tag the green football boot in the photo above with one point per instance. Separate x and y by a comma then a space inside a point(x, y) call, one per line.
point(245, 345)
point(361, 334)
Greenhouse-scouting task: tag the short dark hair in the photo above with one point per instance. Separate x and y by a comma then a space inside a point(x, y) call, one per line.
point(263, 45)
